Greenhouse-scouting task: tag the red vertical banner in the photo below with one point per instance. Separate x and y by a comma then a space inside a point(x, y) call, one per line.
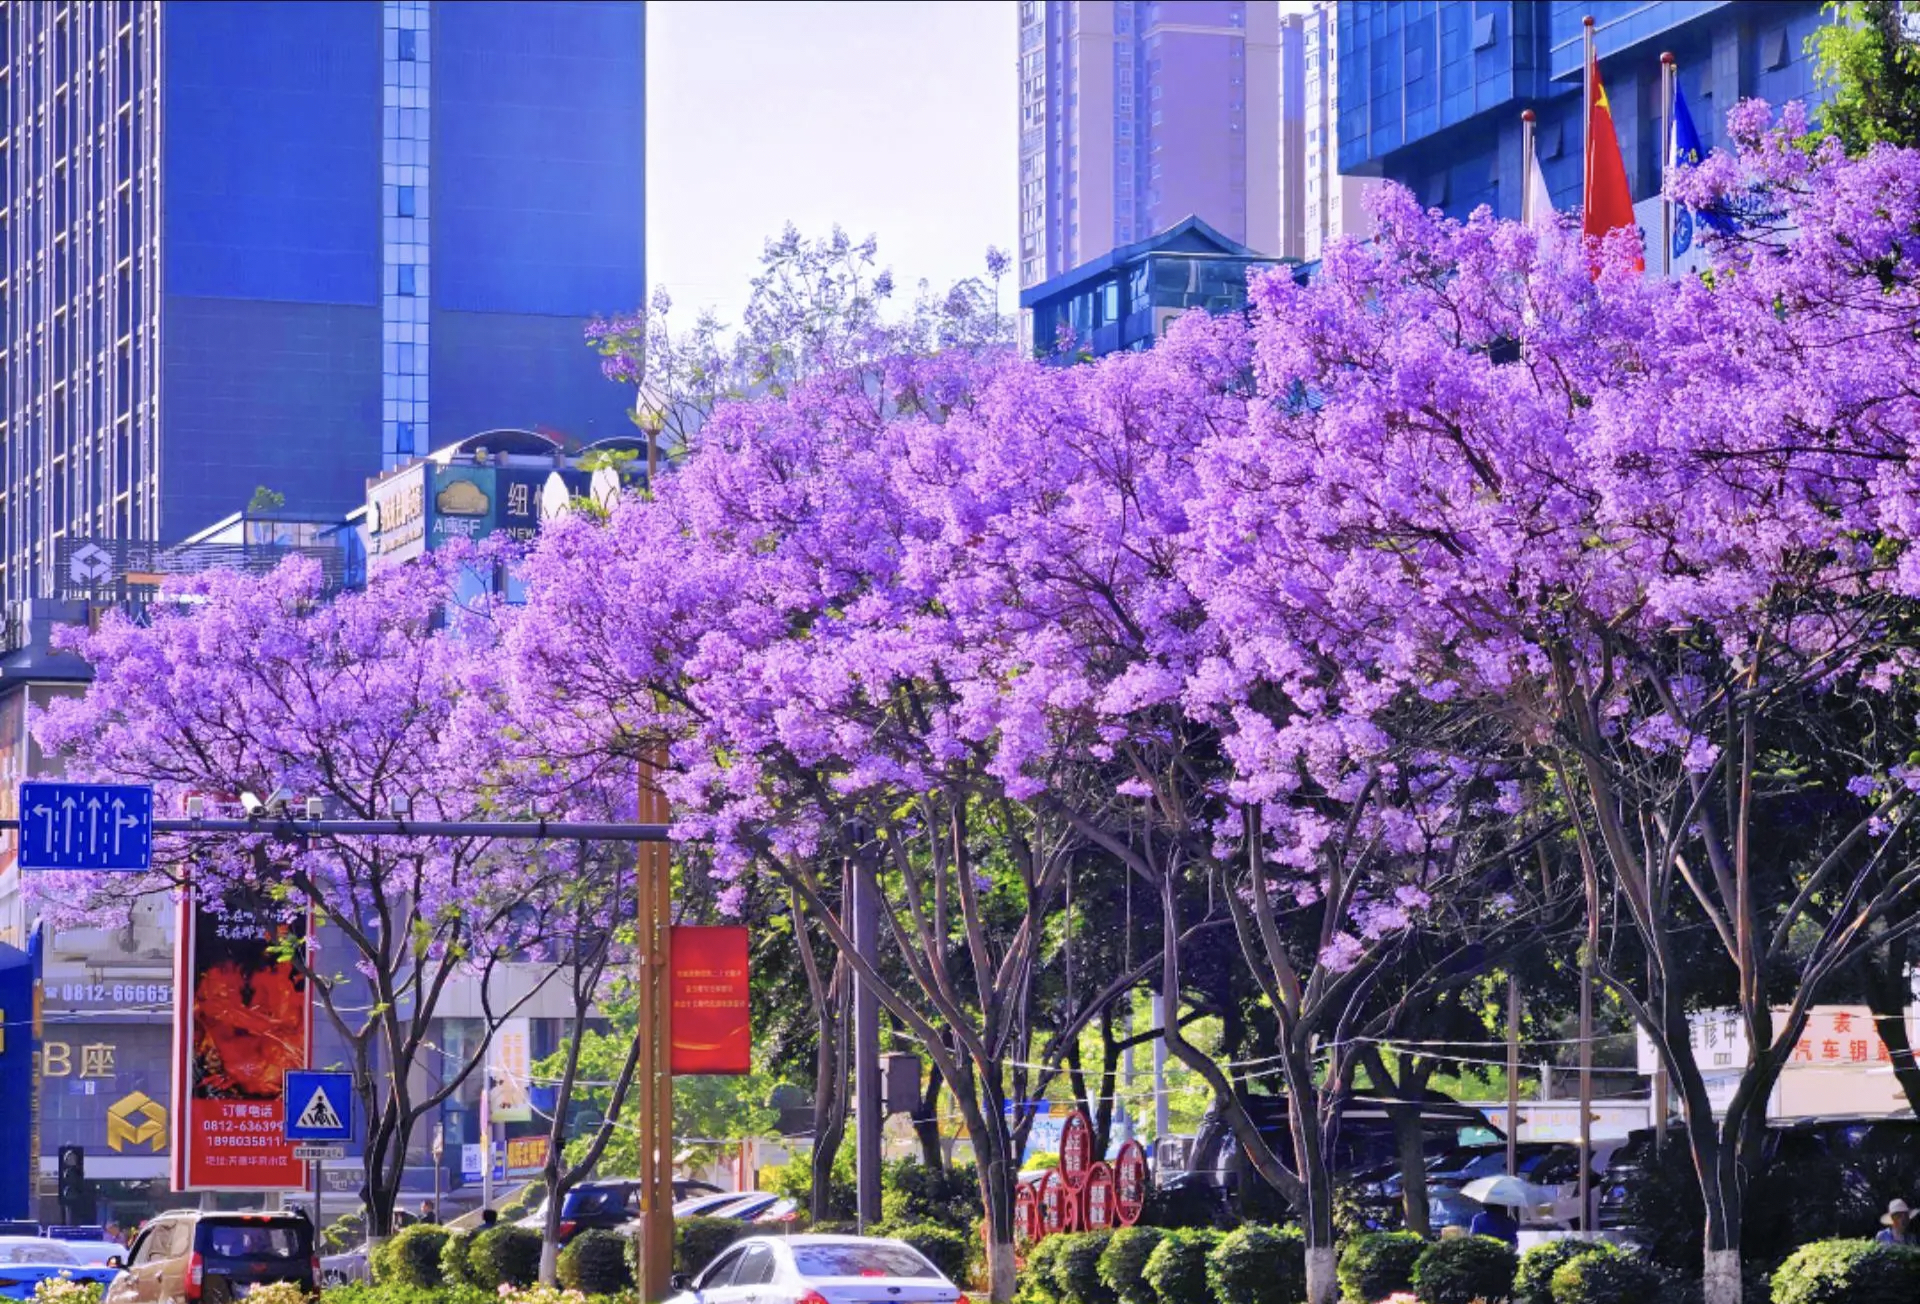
point(1130, 1183)
point(241, 1020)
point(1076, 1149)
point(712, 1023)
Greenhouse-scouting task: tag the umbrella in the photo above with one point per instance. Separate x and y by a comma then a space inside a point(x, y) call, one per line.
point(1504, 1190)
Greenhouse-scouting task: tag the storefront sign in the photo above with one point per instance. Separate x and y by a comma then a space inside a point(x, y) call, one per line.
point(526, 1153)
point(397, 518)
point(712, 1024)
point(463, 504)
point(243, 1020)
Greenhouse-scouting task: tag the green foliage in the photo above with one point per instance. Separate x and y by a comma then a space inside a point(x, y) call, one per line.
point(265, 500)
point(595, 1263)
point(1462, 1271)
point(1533, 1282)
point(1036, 1282)
point(343, 1234)
point(1177, 1268)
point(504, 1256)
point(911, 1192)
point(697, 1241)
point(943, 1247)
point(1377, 1264)
point(1611, 1277)
point(1076, 1268)
point(361, 1293)
point(794, 1180)
point(834, 1226)
point(1847, 1272)
point(524, 1201)
point(1871, 72)
point(1259, 1265)
point(411, 1258)
point(1123, 1264)
point(456, 1269)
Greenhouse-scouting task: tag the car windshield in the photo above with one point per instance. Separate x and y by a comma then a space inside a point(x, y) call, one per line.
point(261, 1240)
point(852, 1260)
point(37, 1251)
point(589, 1200)
point(94, 1251)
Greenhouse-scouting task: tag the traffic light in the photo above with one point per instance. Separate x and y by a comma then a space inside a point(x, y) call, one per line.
point(73, 1182)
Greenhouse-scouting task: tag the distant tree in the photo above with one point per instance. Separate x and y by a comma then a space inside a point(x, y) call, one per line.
point(1869, 62)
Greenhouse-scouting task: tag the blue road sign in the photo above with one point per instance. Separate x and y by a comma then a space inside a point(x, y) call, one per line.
point(107, 826)
point(319, 1106)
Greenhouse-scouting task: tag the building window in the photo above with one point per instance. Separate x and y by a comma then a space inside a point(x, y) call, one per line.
point(1483, 31)
point(409, 44)
point(1775, 45)
point(405, 201)
point(404, 278)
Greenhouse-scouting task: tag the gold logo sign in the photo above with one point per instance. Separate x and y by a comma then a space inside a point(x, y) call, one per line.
point(137, 1120)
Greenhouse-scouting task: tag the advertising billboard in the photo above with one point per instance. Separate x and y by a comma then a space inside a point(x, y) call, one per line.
point(509, 1072)
point(19, 1057)
point(712, 1027)
point(241, 1021)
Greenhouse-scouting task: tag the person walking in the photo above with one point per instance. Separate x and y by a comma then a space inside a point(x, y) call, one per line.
point(1898, 1224)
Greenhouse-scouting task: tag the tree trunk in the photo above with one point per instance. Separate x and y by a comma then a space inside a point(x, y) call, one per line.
point(1410, 1142)
point(1309, 1161)
point(1889, 992)
point(926, 1123)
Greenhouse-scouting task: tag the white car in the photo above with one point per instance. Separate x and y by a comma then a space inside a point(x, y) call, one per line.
point(96, 1253)
point(818, 1270)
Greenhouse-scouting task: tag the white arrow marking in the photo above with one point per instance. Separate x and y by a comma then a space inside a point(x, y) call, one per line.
point(46, 813)
point(93, 825)
point(66, 823)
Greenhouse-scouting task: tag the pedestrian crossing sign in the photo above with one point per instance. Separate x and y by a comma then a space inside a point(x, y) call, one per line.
point(319, 1106)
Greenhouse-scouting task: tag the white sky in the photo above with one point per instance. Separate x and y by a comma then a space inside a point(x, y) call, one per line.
point(895, 118)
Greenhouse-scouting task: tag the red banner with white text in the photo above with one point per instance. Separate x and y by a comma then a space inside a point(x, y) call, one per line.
point(712, 1026)
point(241, 1020)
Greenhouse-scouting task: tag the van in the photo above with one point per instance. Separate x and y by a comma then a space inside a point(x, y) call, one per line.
point(192, 1256)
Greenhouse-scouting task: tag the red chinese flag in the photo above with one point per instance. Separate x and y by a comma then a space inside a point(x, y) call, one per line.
point(1609, 202)
point(712, 1030)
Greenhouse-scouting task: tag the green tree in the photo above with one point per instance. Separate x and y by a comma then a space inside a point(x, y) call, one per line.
point(1870, 65)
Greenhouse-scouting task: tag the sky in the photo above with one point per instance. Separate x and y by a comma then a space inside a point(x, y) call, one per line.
point(892, 118)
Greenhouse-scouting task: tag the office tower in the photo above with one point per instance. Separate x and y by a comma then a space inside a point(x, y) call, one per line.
point(1135, 114)
point(289, 245)
point(1335, 202)
point(1430, 94)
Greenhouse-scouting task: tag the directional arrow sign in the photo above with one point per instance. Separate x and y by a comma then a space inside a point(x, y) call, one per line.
point(319, 1106)
point(87, 826)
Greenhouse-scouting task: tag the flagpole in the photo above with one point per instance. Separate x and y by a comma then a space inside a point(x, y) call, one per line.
point(1586, 118)
point(1669, 78)
point(1526, 176)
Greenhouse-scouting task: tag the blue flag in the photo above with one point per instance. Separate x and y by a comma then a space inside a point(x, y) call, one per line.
point(1683, 150)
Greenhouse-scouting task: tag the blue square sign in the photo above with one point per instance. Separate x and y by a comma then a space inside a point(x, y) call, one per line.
point(319, 1106)
point(104, 826)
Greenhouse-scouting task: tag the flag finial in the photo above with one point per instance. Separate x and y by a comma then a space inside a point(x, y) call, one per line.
point(1526, 115)
point(1588, 20)
point(1666, 57)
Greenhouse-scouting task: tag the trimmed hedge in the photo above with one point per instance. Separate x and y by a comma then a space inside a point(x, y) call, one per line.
point(1464, 1270)
point(1123, 1265)
point(411, 1258)
point(1036, 1283)
point(455, 1268)
point(1849, 1272)
point(595, 1263)
point(1533, 1282)
point(1177, 1268)
point(1076, 1268)
point(698, 1241)
point(1377, 1264)
point(1259, 1265)
point(1614, 1277)
point(505, 1255)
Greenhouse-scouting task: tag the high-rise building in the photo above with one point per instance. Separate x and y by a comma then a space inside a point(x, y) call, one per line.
point(1335, 203)
point(1430, 94)
point(1136, 114)
point(252, 243)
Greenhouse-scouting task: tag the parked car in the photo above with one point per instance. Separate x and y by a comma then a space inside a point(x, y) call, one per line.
point(94, 1253)
point(347, 1266)
point(610, 1203)
point(194, 1254)
point(818, 1270)
point(26, 1261)
point(1361, 1140)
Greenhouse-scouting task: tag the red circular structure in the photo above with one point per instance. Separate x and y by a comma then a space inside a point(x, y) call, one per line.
point(1026, 1213)
point(1076, 1149)
point(1053, 1199)
point(1129, 1183)
point(1096, 1197)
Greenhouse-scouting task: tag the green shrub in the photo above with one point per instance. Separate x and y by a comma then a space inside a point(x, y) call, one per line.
point(1613, 1277)
point(343, 1234)
point(913, 1193)
point(1533, 1281)
point(595, 1263)
point(1462, 1271)
point(504, 1256)
point(1076, 1268)
point(836, 1227)
point(411, 1258)
point(1849, 1272)
point(1258, 1265)
point(1377, 1264)
point(1177, 1268)
point(698, 1241)
point(1036, 1282)
point(1123, 1264)
point(455, 1270)
point(794, 1180)
point(942, 1246)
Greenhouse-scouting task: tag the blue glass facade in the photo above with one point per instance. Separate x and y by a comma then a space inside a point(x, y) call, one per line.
point(293, 245)
point(1431, 91)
